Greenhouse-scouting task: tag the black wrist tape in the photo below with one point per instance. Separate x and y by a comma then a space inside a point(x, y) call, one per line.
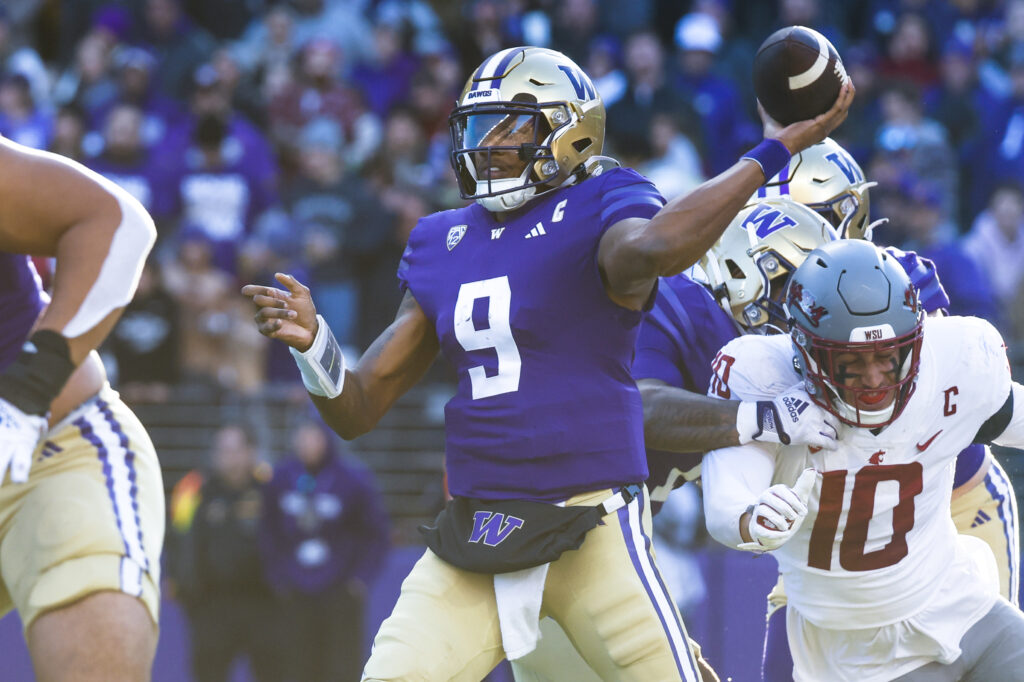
point(38, 373)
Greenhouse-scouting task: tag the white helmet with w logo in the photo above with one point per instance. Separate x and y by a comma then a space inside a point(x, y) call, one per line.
point(526, 123)
point(826, 178)
point(749, 266)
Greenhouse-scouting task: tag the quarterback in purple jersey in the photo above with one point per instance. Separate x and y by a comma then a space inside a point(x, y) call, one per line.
point(534, 293)
point(81, 497)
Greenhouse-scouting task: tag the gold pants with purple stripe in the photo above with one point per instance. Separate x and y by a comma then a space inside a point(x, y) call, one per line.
point(90, 518)
point(988, 511)
point(608, 596)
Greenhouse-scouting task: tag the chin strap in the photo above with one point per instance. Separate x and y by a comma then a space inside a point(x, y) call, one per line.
point(596, 165)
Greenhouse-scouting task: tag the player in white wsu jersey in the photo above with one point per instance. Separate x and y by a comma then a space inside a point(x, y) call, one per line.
point(880, 584)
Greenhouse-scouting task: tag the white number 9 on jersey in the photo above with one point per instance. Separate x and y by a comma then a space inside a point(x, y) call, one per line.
point(498, 335)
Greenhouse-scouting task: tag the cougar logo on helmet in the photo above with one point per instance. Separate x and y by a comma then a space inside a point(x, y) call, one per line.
point(527, 122)
point(799, 297)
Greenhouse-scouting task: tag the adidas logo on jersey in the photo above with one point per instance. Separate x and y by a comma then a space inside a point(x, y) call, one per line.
point(981, 519)
point(537, 231)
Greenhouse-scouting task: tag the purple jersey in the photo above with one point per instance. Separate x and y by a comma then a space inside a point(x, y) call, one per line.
point(678, 341)
point(21, 301)
point(545, 406)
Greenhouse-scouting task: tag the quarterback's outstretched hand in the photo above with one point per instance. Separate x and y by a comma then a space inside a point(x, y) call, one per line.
point(779, 513)
point(802, 134)
point(20, 433)
point(287, 316)
point(790, 419)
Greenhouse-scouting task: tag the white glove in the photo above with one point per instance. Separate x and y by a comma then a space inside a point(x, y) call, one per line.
point(779, 513)
point(790, 419)
point(20, 433)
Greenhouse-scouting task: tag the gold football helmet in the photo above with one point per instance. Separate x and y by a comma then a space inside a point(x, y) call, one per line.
point(528, 121)
point(826, 178)
point(749, 266)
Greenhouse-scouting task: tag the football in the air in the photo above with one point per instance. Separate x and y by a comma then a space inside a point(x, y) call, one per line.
point(797, 74)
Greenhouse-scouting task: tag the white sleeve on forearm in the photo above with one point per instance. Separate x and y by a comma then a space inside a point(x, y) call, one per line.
point(732, 480)
point(121, 269)
point(1013, 435)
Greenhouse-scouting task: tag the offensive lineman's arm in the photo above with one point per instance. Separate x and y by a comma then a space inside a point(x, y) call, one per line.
point(677, 420)
point(390, 366)
point(100, 236)
point(50, 206)
point(634, 252)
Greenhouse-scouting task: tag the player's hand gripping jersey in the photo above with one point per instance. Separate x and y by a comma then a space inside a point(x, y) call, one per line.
point(878, 516)
point(541, 352)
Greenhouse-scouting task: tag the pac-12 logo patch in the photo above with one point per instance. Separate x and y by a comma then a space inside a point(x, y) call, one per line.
point(455, 235)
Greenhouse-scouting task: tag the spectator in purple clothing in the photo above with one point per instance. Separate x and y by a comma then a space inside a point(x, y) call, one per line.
point(340, 223)
point(918, 225)
point(919, 143)
point(223, 174)
point(319, 91)
point(126, 161)
point(323, 538)
point(385, 78)
point(134, 69)
point(269, 43)
point(727, 129)
point(180, 46)
point(21, 119)
point(18, 57)
point(649, 91)
point(1000, 155)
point(88, 82)
point(996, 243)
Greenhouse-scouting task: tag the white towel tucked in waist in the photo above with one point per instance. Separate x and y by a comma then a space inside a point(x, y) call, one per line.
point(519, 595)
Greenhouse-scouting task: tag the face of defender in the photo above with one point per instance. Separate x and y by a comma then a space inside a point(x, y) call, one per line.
point(867, 379)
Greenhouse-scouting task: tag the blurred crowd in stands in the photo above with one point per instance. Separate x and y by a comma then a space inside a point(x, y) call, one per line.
point(309, 135)
point(275, 565)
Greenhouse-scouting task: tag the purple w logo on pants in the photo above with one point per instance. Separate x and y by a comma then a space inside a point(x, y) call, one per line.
point(493, 527)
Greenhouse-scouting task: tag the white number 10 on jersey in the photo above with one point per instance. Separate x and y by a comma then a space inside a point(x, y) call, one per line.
point(497, 335)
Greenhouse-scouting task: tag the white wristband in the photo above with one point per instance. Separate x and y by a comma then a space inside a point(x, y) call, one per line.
point(746, 421)
point(322, 365)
